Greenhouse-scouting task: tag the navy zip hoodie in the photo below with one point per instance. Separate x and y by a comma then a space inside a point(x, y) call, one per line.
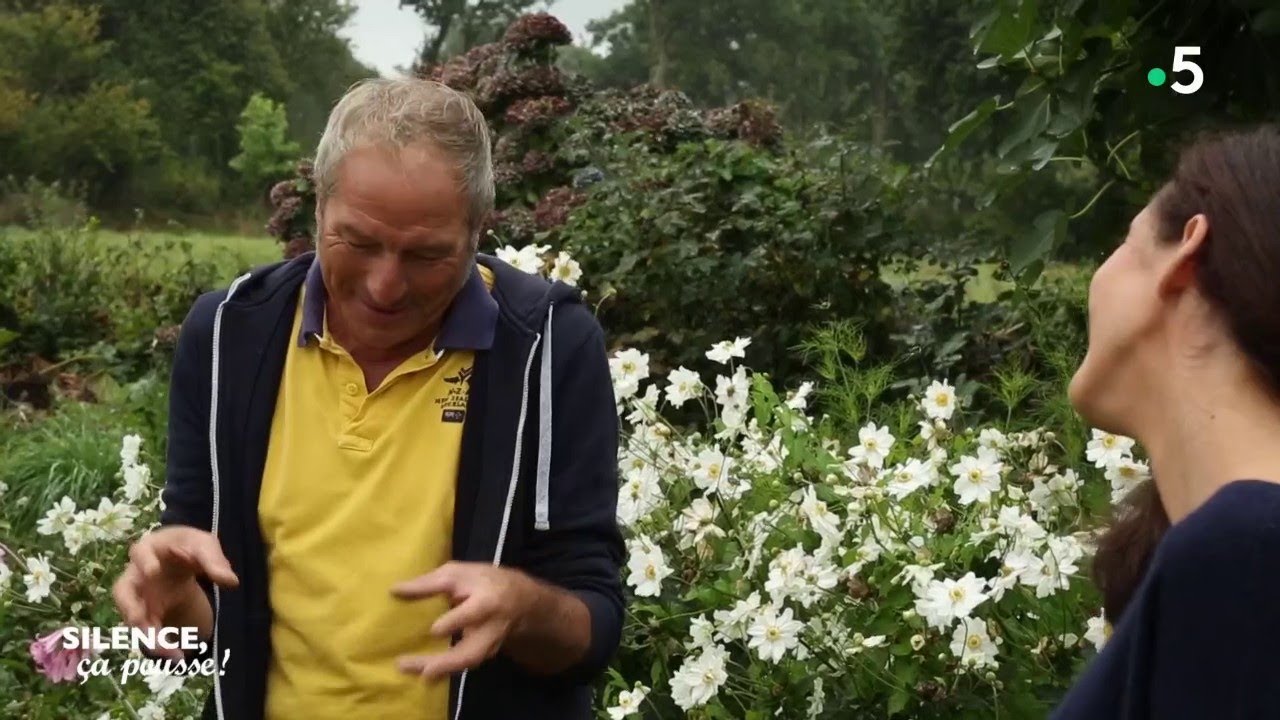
point(537, 480)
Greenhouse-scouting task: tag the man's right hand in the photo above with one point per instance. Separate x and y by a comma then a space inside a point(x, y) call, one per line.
point(158, 588)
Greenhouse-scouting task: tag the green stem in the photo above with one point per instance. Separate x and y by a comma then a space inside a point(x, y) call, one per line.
point(1094, 199)
point(120, 691)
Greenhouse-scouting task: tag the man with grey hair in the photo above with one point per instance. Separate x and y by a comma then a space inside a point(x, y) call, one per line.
point(392, 471)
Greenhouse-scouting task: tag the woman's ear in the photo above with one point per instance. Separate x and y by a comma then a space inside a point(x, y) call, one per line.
point(1179, 269)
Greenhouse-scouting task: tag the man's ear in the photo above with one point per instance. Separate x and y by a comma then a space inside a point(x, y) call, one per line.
point(1179, 269)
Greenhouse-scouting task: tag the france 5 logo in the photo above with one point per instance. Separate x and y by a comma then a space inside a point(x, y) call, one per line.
point(1157, 76)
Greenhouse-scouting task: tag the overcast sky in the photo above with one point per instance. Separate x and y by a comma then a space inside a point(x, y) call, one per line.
point(384, 35)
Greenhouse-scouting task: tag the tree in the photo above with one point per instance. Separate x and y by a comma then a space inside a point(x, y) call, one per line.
point(459, 25)
point(197, 64)
point(266, 152)
point(1083, 99)
point(59, 120)
point(889, 73)
point(319, 61)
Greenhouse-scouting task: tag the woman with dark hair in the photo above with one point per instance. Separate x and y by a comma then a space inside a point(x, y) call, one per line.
point(1184, 355)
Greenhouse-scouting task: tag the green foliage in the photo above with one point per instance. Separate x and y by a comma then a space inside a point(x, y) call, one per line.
point(76, 454)
point(138, 102)
point(1083, 99)
point(860, 61)
point(265, 149)
point(306, 35)
point(60, 119)
point(70, 296)
point(721, 239)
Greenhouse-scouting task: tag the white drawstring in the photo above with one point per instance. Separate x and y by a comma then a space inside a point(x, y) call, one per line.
point(542, 503)
point(213, 466)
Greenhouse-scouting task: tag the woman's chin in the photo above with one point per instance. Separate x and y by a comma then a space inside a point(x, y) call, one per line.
point(1085, 394)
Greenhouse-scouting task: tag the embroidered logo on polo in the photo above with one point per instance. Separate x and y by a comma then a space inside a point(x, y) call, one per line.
point(454, 404)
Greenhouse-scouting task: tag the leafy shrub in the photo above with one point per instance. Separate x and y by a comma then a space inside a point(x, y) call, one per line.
point(33, 203)
point(175, 187)
point(884, 558)
point(64, 292)
point(721, 237)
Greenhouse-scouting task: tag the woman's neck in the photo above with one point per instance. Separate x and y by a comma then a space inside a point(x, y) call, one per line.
point(1211, 430)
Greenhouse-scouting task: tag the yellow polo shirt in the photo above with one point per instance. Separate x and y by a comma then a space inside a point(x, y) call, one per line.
point(358, 495)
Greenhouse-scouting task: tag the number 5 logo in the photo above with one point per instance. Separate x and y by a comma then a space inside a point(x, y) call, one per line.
point(1180, 63)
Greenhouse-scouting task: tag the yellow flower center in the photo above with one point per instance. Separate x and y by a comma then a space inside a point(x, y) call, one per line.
point(957, 594)
point(1108, 441)
point(628, 367)
point(974, 641)
point(975, 475)
point(773, 634)
point(651, 572)
point(942, 399)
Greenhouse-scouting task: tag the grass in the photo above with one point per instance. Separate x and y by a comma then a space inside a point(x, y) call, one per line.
point(161, 252)
point(231, 253)
point(73, 452)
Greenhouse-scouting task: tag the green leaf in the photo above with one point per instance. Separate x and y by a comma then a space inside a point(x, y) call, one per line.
point(1043, 153)
point(1034, 121)
point(898, 701)
point(963, 127)
point(1049, 229)
point(7, 336)
point(1011, 30)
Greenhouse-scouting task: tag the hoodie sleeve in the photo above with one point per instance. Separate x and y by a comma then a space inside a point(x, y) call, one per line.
point(582, 549)
point(188, 483)
point(188, 490)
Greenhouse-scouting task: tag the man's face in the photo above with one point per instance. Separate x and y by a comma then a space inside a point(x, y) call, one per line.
point(394, 245)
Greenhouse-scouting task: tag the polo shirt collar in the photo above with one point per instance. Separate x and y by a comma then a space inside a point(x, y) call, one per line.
point(469, 323)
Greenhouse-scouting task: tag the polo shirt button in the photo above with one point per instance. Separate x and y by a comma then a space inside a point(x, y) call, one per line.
point(352, 389)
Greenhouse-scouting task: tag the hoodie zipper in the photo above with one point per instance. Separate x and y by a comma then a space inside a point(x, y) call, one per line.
point(213, 465)
point(511, 492)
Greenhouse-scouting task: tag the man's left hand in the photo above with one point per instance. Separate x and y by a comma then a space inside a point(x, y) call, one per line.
point(489, 603)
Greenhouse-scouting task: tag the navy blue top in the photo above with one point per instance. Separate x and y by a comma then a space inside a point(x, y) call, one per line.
point(1201, 637)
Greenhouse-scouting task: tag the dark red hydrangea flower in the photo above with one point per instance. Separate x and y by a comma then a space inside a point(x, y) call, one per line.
point(507, 149)
point(496, 92)
point(536, 162)
point(281, 190)
point(281, 220)
point(538, 111)
point(553, 209)
point(465, 71)
point(513, 226)
point(752, 121)
point(536, 31)
point(506, 174)
point(296, 246)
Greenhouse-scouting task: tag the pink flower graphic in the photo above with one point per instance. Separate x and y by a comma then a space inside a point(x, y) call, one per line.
point(53, 660)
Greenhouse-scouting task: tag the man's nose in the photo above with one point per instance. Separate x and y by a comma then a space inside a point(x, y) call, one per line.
point(385, 283)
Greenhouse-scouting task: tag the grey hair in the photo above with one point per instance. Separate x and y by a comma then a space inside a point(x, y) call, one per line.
point(400, 112)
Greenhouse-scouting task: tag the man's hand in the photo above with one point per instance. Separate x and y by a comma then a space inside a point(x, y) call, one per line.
point(488, 603)
point(158, 587)
point(498, 609)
